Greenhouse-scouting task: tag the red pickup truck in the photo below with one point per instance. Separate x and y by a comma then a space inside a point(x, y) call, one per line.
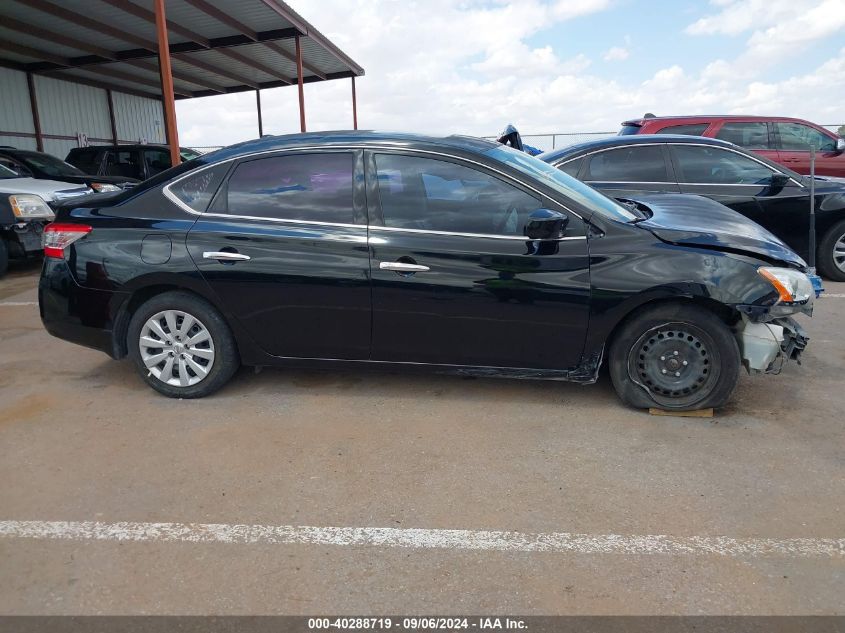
point(780, 139)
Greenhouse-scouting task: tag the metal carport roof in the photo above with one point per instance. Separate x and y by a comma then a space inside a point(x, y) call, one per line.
point(214, 46)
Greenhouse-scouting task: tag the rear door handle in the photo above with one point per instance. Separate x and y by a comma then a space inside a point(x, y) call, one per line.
point(402, 267)
point(225, 256)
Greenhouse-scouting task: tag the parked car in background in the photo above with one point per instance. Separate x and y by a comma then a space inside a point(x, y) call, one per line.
point(137, 162)
point(780, 139)
point(455, 254)
point(25, 210)
point(770, 194)
point(41, 165)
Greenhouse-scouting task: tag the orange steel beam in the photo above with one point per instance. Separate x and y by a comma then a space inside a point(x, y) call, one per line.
point(258, 107)
point(354, 106)
point(167, 98)
point(299, 83)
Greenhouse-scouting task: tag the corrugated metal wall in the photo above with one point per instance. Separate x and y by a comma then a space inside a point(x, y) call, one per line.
point(138, 118)
point(15, 113)
point(68, 109)
point(20, 142)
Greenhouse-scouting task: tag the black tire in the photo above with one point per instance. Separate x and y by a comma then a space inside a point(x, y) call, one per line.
point(826, 252)
point(646, 372)
point(4, 257)
point(220, 345)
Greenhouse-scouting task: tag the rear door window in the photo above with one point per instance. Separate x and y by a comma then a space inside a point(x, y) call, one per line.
point(704, 165)
point(628, 164)
point(748, 134)
point(307, 187)
point(436, 195)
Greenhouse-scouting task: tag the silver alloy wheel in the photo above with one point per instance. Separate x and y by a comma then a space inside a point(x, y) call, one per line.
point(839, 253)
point(176, 348)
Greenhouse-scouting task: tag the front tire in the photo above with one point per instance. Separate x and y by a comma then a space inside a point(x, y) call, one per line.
point(181, 345)
point(675, 357)
point(4, 257)
point(831, 253)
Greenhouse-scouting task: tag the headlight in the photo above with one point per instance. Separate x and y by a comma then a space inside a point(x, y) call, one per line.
point(30, 207)
point(792, 286)
point(102, 187)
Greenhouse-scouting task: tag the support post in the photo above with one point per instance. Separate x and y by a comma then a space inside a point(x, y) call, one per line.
point(299, 83)
point(166, 73)
point(258, 107)
point(111, 117)
point(36, 120)
point(354, 106)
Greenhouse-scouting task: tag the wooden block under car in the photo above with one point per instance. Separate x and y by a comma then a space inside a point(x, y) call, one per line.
point(699, 413)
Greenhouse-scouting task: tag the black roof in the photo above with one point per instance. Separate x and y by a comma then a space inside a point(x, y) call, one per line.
point(124, 146)
point(341, 137)
point(631, 139)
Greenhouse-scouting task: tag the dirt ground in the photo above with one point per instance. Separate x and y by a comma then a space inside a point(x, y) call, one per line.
point(82, 439)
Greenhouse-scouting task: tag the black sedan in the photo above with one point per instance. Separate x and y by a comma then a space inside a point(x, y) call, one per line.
point(768, 193)
point(458, 255)
point(43, 166)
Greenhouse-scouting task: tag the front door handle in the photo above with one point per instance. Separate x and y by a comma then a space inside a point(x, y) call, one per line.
point(225, 256)
point(402, 267)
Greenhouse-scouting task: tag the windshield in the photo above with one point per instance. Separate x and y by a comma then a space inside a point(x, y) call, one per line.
point(188, 154)
point(5, 172)
point(565, 184)
point(48, 164)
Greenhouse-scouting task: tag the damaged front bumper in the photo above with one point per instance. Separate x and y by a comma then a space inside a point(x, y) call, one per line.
point(767, 345)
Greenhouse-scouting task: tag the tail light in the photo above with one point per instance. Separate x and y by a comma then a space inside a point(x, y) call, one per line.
point(57, 237)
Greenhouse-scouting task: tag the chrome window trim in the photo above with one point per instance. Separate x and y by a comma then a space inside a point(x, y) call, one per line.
point(678, 182)
point(644, 182)
point(175, 199)
point(493, 236)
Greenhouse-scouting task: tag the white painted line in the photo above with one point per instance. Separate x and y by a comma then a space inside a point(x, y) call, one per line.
point(833, 295)
point(425, 539)
point(4, 304)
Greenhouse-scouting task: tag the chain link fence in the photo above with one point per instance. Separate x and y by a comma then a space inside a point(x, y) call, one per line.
point(555, 140)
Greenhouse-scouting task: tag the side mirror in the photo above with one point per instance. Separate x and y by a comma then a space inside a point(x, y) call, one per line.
point(779, 181)
point(840, 145)
point(545, 224)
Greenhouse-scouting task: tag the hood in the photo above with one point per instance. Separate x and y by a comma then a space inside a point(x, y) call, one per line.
point(50, 190)
point(692, 220)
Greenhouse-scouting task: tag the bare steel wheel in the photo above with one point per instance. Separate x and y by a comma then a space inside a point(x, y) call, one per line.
point(181, 345)
point(676, 356)
point(177, 348)
point(676, 363)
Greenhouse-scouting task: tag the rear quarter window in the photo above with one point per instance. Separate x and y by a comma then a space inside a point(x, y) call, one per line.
point(696, 129)
point(86, 160)
point(572, 167)
point(197, 189)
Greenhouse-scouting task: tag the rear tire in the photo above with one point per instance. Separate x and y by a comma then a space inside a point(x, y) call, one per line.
point(181, 345)
point(674, 357)
point(4, 257)
point(831, 253)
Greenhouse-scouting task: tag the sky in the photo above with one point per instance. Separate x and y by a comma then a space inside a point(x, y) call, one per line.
point(473, 66)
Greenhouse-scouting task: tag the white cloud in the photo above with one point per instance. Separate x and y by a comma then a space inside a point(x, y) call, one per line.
point(616, 54)
point(465, 66)
point(778, 28)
